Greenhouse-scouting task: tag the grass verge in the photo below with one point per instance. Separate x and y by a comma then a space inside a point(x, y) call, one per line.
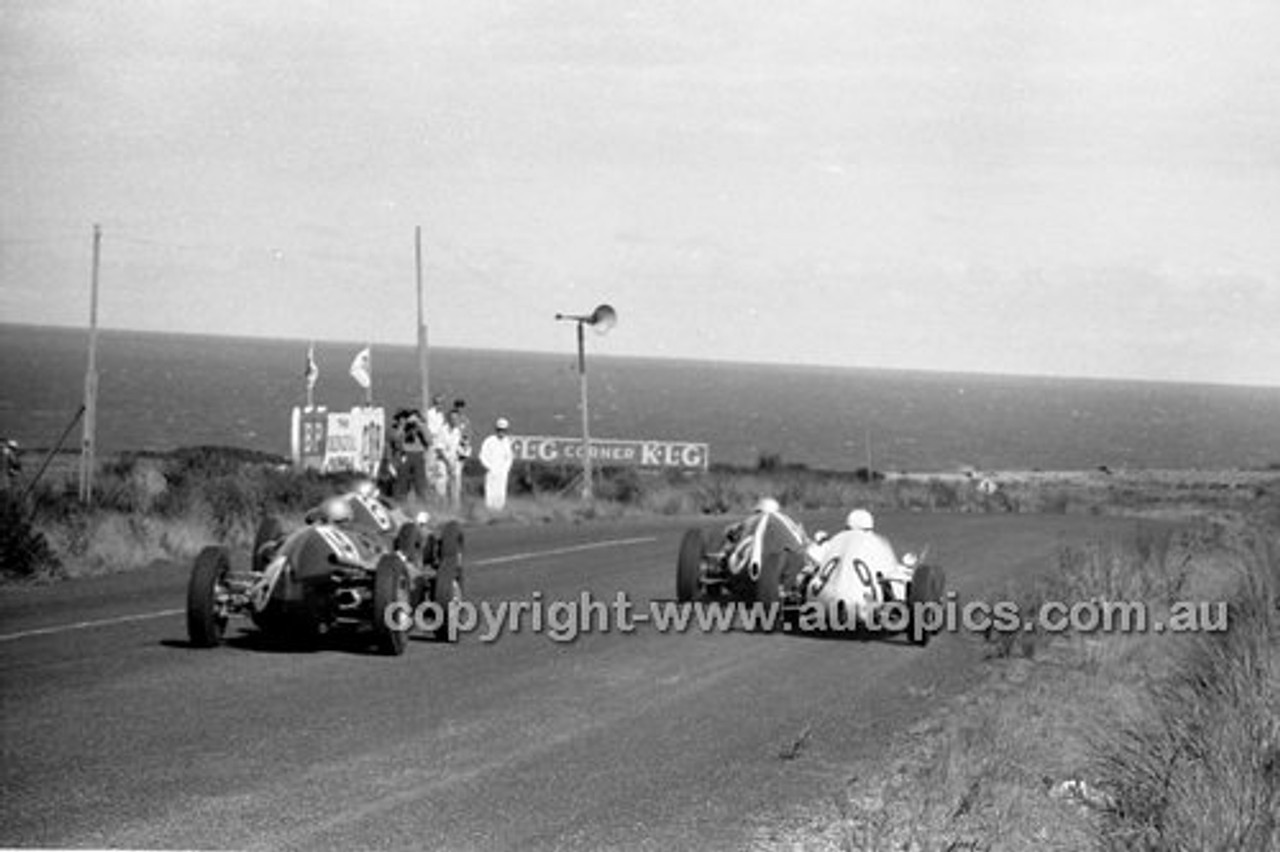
point(1136, 741)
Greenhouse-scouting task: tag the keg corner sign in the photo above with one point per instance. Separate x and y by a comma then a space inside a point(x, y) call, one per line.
point(612, 452)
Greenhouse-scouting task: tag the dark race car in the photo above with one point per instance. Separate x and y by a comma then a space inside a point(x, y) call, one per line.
point(357, 561)
point(727, 564)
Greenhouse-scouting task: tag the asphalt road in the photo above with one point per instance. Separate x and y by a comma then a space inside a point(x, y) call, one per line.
point(116, 734)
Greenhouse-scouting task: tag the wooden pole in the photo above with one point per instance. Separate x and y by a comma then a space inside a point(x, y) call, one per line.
point(423, 375)
point(586, 415)
point(88, 444)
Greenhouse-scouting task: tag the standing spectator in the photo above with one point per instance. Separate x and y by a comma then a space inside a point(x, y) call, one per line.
point(496, 455)
point(434, 420)
point(10, 464)
point(435, 417)
point(448, 452)
point(464, 425)
point(415, 454)
point(390, 480)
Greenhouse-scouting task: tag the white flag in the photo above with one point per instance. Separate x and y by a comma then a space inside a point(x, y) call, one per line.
point(313, 372)
point(362, 369)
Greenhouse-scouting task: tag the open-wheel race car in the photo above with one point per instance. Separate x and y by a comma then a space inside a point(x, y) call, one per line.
point(852, 580)
point(357, 561)
point(727, 564)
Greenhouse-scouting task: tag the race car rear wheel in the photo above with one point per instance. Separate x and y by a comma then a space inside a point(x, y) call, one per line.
point(206, 597)
point(928, 585)
point(689, 566)
point(269, 530)
point(392, 615)
point(448, 583)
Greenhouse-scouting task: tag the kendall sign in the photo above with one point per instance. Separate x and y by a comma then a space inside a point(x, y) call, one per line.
point(608, 452)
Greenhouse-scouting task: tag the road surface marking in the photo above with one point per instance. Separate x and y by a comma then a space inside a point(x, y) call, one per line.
point(576, 548)
point(85, 625)
point(164, 613)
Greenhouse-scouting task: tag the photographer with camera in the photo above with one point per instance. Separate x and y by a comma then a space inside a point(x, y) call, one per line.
point(414, 443)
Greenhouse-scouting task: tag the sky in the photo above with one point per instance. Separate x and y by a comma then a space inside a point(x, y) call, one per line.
point(1085, 188)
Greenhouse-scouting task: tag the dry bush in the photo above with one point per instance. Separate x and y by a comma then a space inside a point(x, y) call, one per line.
point(1199, 766)
point(24, 550)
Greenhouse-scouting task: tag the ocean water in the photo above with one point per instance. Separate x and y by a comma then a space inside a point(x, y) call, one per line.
point(160, 391)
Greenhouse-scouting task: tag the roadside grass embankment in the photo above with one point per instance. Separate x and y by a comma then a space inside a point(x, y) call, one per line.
point(1135, 740)
point(147, 507)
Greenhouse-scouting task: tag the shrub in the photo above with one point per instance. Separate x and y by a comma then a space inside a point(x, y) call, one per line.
point(534, 479)
point(24, 551)
point(620, 484)
point(769, 462)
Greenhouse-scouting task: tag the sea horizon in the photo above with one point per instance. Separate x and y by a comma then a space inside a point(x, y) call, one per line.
point(164, 390)
point(593, 355)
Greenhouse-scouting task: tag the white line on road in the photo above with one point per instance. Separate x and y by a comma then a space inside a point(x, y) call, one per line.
point(576, 548)
point(164, 613)
point(85, 625)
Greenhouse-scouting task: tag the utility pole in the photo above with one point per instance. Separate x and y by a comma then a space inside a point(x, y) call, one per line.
point(88, 444)
point(423, 375)
point(586, 416)
point(603, 318)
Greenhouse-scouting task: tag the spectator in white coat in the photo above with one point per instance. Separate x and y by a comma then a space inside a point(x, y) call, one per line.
point(447, 451)
point(496, 455)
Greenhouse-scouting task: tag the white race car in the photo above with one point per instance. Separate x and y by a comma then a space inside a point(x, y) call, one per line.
point(853, 580)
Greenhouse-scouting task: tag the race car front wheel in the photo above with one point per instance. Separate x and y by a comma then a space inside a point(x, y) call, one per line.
point(411, 542)
point(391, 607)
point(206, 597)
point(448, 582)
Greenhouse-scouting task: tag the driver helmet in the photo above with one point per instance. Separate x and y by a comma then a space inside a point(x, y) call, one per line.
point(336, 510)
point(860, 519)
point(768, 506)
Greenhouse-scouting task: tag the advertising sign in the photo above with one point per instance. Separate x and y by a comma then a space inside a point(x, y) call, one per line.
point(609, 452)
point(310, 425)
point(339, 440)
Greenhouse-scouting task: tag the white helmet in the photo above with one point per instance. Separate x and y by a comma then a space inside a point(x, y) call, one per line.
point(768, 505)
point(860, 519)
point(336, 510)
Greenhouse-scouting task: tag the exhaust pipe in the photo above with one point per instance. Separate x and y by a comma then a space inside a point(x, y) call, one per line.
point(349, 598)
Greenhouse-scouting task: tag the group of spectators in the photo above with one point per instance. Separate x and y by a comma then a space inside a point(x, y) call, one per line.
point(426, 454)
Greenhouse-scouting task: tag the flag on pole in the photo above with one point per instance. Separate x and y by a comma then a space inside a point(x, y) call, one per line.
point(312, 372)
point(362, 368)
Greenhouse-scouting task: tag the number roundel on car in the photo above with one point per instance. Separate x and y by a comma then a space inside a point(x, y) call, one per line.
point(824, 575)
point(340, 542)
point(376, 511)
